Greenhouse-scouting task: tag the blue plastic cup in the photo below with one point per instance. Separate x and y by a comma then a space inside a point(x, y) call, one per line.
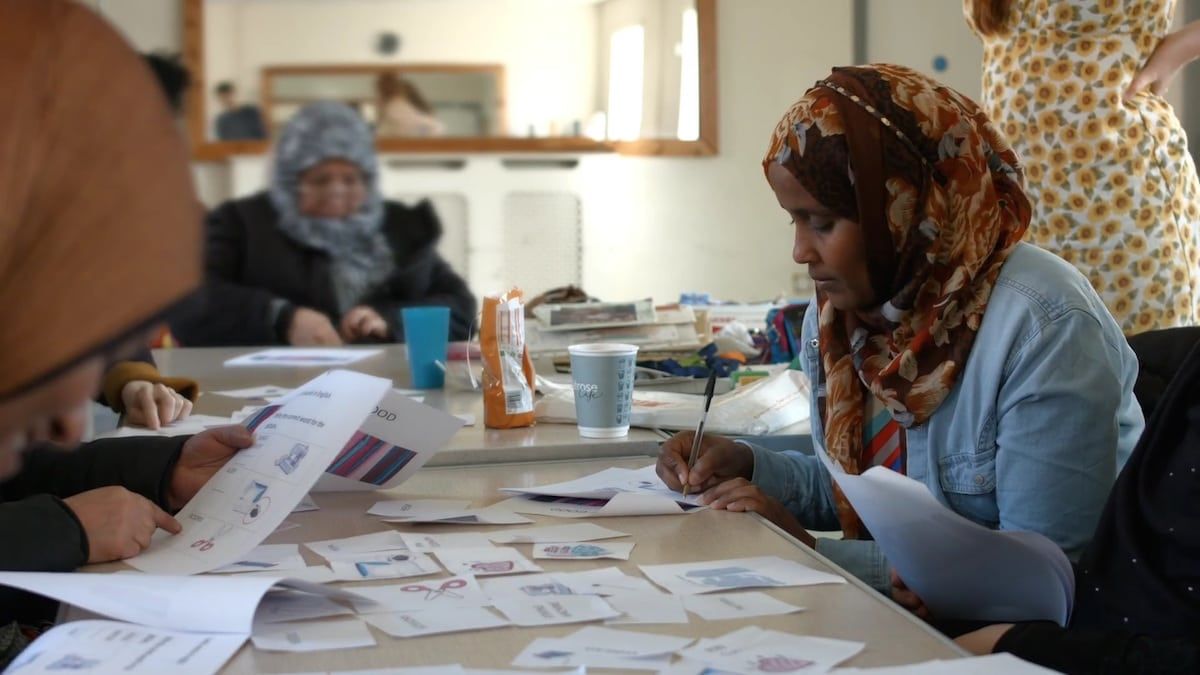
point(426, 336)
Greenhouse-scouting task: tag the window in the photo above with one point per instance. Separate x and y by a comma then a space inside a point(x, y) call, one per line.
point(689, 78)
point(626, 66)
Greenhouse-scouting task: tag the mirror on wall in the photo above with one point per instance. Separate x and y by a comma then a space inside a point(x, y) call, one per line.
point(635, 76)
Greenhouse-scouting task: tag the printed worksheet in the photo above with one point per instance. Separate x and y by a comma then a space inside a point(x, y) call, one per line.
point(97, 646)
point(395, 440)
point(647, 608)
point(211, 604)
point(295, 440)
point(603, 648)
point(724, 575)
point(384, 565)
point(348, 548)
point(402, 510)
point(416, 541)
point(293, 357)
point(283, 607)
point(607, 484)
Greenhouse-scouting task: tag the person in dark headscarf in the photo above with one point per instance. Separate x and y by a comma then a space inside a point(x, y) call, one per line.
point(1137, 588)
point(939, 345)
point(321, 257)
point(99, 237)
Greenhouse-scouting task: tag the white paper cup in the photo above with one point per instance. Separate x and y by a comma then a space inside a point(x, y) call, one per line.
point(602, 377)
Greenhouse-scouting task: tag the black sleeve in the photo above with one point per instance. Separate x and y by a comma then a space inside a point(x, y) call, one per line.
point(41, 534)
point(226, 312)
point(1160, 353)
point(1103, 652)
point(446, 289)
point(142, 465)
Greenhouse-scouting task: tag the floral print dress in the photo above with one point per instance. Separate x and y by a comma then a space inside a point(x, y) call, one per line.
point(1113, 186)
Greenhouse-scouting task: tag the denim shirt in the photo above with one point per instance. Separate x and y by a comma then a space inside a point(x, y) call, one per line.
point(1032, 435)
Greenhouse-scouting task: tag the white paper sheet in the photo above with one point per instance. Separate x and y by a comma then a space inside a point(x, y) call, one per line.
point(116, 647)
point(435, 621)
point(350, 547)
point(207, 604)
point(402, 510)
point(605, 648)
point(259, 486)
point(620, 506)
point(583, 551)
point(267, 392)
point(722, 575)
point(384, 565)
point(556, 534)
point(315, 574)
point(554, 610)
point(312, 636)
point(992, 664)
point(307, 504)
point(608, 483)
point(918, 535)
point(267, 558)
point(192, 424)
point(492, 515)
point(423, 595)
point(394, 441)
point(417, 541)
point(293, 357)
point(606, 581)
point(736, 606)
point(282, 607)
point(485, 562)
point(646, 608)
point(753, 650)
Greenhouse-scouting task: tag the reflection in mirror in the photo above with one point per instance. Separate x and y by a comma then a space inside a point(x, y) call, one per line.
point(609, 70)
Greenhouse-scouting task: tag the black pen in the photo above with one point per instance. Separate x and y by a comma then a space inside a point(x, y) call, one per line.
point(708, 396)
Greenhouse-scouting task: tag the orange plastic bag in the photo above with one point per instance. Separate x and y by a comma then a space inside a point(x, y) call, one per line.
point(508, 375)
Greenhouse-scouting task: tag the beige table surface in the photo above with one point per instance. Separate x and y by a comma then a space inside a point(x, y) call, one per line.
point(848, 611)
point(471, 445)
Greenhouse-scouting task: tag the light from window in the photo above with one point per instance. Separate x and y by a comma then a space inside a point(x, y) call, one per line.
point(689, 78)
point(626, 67)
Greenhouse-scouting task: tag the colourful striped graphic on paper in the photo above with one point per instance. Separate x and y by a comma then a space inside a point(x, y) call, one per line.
point(252, 422)
point(370, 460)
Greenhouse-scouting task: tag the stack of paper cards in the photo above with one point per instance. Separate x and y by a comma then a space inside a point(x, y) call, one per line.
point(721, 575)
point(602, 648)
point(754, 650)
point(483, 562)
point(583, 551)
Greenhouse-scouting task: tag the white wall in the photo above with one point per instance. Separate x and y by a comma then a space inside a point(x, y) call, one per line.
point(548, 47)
point(659, 226)
point(915, 32)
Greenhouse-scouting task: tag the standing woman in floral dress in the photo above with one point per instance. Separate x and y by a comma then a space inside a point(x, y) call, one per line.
point(1076, 86)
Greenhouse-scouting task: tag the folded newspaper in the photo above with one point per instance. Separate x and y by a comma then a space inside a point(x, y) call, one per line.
point(763, 407)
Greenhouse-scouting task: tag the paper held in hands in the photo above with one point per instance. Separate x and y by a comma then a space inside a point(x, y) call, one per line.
point(1029, 577)
point(611, 492)
point(348, 427)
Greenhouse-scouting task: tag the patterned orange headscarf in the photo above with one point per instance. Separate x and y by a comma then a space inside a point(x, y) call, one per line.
point(937, 192)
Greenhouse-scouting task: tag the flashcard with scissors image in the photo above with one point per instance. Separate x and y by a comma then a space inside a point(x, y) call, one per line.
point(484, 562)
point(414, 596)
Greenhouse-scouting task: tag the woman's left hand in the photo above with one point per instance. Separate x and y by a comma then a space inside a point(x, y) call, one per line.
point(153, 405)
point(362, 322)
point(740, 494)
point(202, 456)
point(906, 598)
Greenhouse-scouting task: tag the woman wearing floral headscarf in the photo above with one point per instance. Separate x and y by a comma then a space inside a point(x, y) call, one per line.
point(321, 258)
point(938, 344)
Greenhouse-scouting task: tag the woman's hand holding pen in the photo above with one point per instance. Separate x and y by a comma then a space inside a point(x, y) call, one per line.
point(720, 460)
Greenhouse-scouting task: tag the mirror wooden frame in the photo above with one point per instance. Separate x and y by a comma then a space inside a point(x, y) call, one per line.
point(204, 149)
